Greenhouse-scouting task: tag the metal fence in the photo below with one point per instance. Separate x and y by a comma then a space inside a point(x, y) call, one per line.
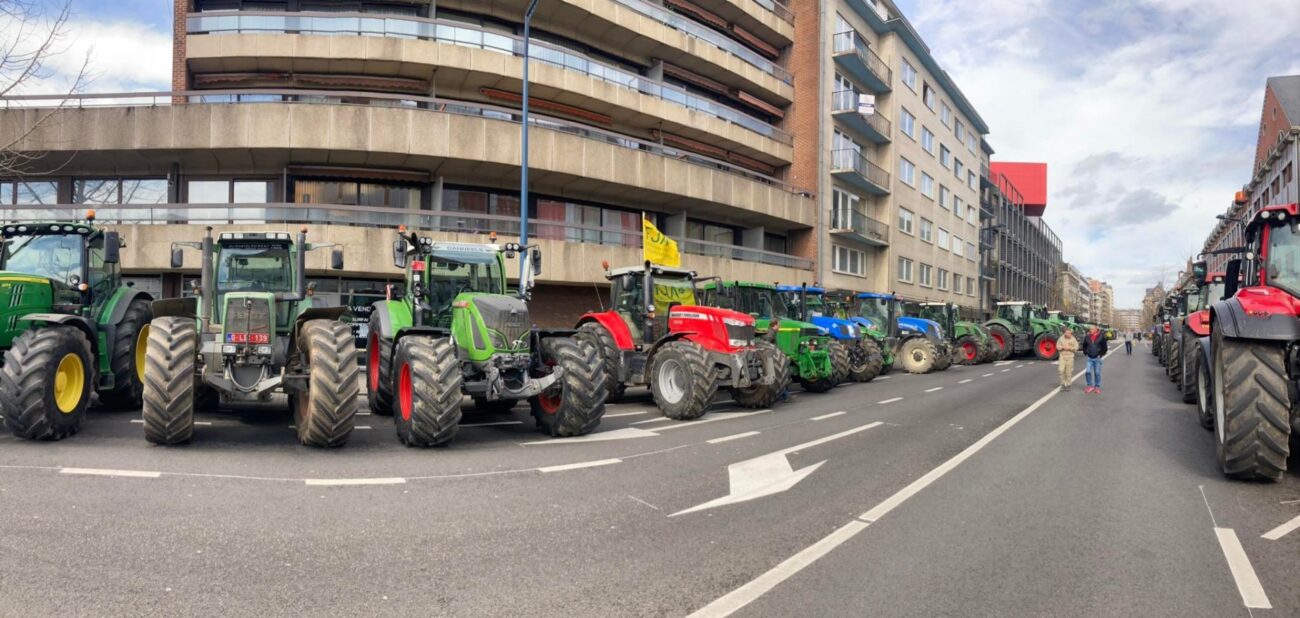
point(853, 159)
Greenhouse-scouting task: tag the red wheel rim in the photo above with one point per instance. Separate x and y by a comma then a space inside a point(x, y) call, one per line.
point(404, 391)
point(550, 399)
point(372, 366)
point(1047, 347)
point(970, 350)
point(998, 338)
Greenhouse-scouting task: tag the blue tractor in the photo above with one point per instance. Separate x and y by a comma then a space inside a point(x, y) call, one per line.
point(918, 344)
point(864, 359)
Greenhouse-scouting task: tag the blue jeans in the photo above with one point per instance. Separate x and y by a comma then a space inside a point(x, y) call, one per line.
point(1092, 375)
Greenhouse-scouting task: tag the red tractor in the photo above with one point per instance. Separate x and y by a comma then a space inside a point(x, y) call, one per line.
point(1194, 329)
point(1254, 362)
point(655, 334)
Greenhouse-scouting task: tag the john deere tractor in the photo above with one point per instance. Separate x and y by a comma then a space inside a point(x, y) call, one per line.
point(250, 330)
point(68, 327)
point(657, 334)
point(1021, 328)
point(807, 345)
point(1068, 321)
point(918, 344)
point(458, 330)
point(862, 354)
point(970, 342)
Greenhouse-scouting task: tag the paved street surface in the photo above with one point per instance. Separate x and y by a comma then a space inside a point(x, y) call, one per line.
point(975, 491)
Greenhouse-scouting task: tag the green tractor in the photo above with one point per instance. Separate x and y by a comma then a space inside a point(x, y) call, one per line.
point(1021, 328)
point(810, 348)
point(70, 328)
point(1068, 321)
point(250, 330)
point(813, 304)
point(971, 343)
point(459, 331)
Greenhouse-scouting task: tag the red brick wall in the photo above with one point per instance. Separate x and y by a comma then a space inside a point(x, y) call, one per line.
point(805, 117)
point(1270, 123)
point(560, 306)
point(180, 77)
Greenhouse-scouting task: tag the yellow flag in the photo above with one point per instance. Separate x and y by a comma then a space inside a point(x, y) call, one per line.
point(656, 247)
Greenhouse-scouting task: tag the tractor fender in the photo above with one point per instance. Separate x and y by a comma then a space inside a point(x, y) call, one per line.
point(187, 307)
point(64, 319)
point(313, 313)
point(1203, 343)
point(123, 299)
point(1254, 320)
point(383, 312)
point(670, 337)
point(614, 324)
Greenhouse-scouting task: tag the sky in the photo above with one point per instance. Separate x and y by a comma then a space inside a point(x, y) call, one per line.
point(1146, 111)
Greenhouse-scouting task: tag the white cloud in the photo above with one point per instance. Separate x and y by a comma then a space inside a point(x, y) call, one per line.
point(1144, 111)
point(123, 56)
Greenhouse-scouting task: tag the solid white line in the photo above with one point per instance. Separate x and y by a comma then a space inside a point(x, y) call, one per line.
point(625, 414)
point(137, 420)
point(493, 424)
point(1252, 593)
point(581, 464)
point(883, 377)
point(362, 427)
point(965, 381)
point(340, 482)
point(891, 400)
point(1005, 370)
point(826, 416)
point(143, 474)
point(204, 423)
point(653, 420)
point(1019, 366)
point(1283, 530)
point(731, 437)
point(986, 375)
point(931, 390)
point(744, 595)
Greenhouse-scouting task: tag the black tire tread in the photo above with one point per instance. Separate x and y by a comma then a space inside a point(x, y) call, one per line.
point(128, 388)
point(436, 391)
point(26, 383)
point(1256, 411)
point(703, 381)
point(764, 395)
point(329, 405)
point(599, 337)
point(584, 388)
point(170, 380)
point(380, 398)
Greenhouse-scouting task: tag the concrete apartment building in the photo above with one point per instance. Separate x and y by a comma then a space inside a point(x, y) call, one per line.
point(1128, 319)
point(1103, 302)
point(1074, 292)
point(1020, 253)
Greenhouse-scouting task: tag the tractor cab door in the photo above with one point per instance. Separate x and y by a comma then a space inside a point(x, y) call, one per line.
point(628, 292)
point(101, 275)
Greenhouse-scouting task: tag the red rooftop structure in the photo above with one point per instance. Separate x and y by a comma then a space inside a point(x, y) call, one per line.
point(1030, 179)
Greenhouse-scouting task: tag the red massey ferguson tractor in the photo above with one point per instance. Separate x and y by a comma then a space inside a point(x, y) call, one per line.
point(656, 335)
point(1254, 359)
point(1194, 342)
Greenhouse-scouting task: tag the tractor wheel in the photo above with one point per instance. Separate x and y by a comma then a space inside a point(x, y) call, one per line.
point(682, 381)
point(1002, 341)
point(574, 405)
point(496, 406)
point(967, 350)
point(1186, 367)
point(46, 383)
point(1252, 423)
point(942, 357)
point(865, 361)
point(764, 395)
point(1171, 360)
point(598, 336)
point(1204, 392)
point(326, 412)
point(128, 357)
point(918, 355)
point(839, 362)
point(379, 370)
point(171, 380)
point(1045, 346)
point(426, 384)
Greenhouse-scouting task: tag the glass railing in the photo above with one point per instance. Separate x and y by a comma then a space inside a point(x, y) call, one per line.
point(847, 101)
point(853, 159)
point(854, 220)
point(777, 7)
point(695, 29)
point(851, 41)
point(251, 22)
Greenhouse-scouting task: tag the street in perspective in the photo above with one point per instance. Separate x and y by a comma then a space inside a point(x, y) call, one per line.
point(693, 308)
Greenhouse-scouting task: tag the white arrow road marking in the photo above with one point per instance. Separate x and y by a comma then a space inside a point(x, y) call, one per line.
point(1283, 530)
point(768, 474)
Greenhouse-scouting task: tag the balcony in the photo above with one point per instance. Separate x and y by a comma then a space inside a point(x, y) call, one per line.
point(851, 166)
point(852, 224)
point(844, 108)
point(707, 35)
point(854, 56)
point(778, 7)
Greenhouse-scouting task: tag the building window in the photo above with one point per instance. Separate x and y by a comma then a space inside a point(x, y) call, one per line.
point(958, 169)
point(775, 243)
point(119, 191)
point(943, 279)
point(970, 286)
point(960, 131)
point(850, 261)
point(907, 172)
point(909, 75)
point(904, 269)
point(353, 193)
point(972, 215)
point(26, 192)
point(927, 230)
point(925, 272)
point(945, 115)
point(970, 142)
point(927, 185)
point(944, 195)
point(970, 180)
point(943, 239)
point(957, 245)
point(927, 95)
point(905, 217)
point(843, 206)
point(945, 157)
point(927, 140)
point(228, 191)
point(907, 122)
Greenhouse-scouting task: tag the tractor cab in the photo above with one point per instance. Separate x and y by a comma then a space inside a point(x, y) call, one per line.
point(877, 312)
point(808, 303)
point(945, 314)
point(644, 297)
point(74, 265)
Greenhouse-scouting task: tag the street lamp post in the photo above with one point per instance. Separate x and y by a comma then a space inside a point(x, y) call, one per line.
point(523, 156)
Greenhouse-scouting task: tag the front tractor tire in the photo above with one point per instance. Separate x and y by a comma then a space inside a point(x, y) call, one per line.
point(1187, 367)
point(839, 362)
point(379, 370)
point(918, 355)
point(682, 380)
point(46, 383)
point(1252, 424)
point(128, 358)
point(1045, 347)
point(1204, 391)
point(170, 380)
point(764, 395)
point(865, 361)
point(574, 405)
point(967, 351)
point(608, 356)
point(1002, 341)
point(325, 413)
point(427, 391)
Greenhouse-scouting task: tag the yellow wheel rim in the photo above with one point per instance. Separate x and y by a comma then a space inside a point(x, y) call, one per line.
point(141, 347)
point(69, 383)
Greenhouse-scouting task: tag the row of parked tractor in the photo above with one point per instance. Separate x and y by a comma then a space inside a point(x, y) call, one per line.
point(249, 328)
point(1228, 341)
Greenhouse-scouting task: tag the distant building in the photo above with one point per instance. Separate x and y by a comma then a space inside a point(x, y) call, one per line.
point(1020, 253)
point(1103, 302)
point(1074, 292)
point(1128, 319)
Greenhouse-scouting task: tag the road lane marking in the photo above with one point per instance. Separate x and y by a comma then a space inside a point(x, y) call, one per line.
point(826, 416)
point(625, 433)
point(1252, 593)
point(580, 465)
point(883, 377)
point(713, 417)
point(965, 381)
point(986, 375)
point(492, 424)
point(143, 474)
point(1283, 529)
point(1019, 366)
point(736, 436)
point(890, 400)
point(931, 390)
point(362, 427)
point(1005, 370)
point(363, 414)
point(343, 482)
point(625, 414)
point(137, 420)
point(653, 420)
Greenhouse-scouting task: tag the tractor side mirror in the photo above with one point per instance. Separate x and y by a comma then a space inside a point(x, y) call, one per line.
point(178, 257)
point(336, 259)
point(112, 248)
point(399, 253)
point(537, 262)
point(1199, 269)
point(1231, 275)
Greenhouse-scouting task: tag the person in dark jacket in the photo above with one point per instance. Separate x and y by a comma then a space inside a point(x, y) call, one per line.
point(1094, 347)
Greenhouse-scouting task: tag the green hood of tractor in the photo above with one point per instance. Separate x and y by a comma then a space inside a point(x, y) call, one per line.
point(488, 324)
point(961, 329)
point(248, 313)
point(21, 294)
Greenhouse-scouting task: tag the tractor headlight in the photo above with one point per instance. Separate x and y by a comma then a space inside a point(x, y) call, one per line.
point(733, 322)
point(228, 349)
point(264, 350)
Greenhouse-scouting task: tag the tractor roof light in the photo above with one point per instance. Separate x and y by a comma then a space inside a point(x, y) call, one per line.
point(90, 215)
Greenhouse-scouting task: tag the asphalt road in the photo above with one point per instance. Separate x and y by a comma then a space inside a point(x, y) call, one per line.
point(975, 491)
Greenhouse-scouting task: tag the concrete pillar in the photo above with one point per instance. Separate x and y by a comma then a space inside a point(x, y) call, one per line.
point(656, 71)
point(753, 237)
point(675, 226)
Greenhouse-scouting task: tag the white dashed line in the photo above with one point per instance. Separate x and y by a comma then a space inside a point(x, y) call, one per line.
point(362, 427)
point(625, 414)
point(579, 465)
point(883, 377)
point(143, 474)
point(1252, 593)
point(890, 400)
point(986, 375)
point(1005, 370)
point(965, 381)
point(363, 414)
point(713, 417)
point(653, 420)
point(203, 423)
point(341, 482)
point(137, 420)
point(1283, 530)
point(493, 424)
point(1019, 366)
point(826, 416)
point(931, 390)
point(735, 436)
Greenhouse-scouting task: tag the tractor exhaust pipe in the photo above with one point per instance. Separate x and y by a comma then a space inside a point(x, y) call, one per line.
point(300, 277)
point(207, 280)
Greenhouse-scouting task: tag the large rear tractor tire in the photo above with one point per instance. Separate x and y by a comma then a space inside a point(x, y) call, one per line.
point(1002, 341)
point(942, 357)
point(681, 380)
point(865, 360)
point(1252, 424)
point(379, 370)
point(46, 383)
point(326, 412)
point(967, 351)
point(1204, 392)
point(764, 395)
point(128, 357)
point(918, 355)
point(839, 362)
point(609, 356)
point(170, 380)
point(1045, 347)
point(1187, 367)
point(426, 389)
point(574, 405)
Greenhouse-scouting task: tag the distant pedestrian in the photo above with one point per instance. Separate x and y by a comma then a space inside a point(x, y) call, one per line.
point(1066, 347)
point(1128, 343)
point(1094, 347)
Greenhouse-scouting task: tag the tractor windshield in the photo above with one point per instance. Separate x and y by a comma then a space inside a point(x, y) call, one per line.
point(254, 268)
point(670, 292)
point(55, 256)
point(1211, 293)
point(1283, 258)
point(1013, 313)
point(449, 278)
point(876, 309)
point(1195, 301)
point(761, 302)
point(938, 313)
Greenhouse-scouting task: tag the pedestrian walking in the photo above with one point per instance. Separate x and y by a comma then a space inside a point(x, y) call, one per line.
point(1094, 347)
point(1067, 346)
point(1128, 343)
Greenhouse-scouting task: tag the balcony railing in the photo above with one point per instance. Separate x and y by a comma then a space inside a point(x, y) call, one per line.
point(850, 41)
point(876, 126)
point(466, 35)
point(778, 7)
point(380, 217)
point(695, 29)
point(845, 160)
point(855, 221)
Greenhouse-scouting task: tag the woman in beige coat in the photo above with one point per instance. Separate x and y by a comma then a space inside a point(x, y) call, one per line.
point(1066, 348)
